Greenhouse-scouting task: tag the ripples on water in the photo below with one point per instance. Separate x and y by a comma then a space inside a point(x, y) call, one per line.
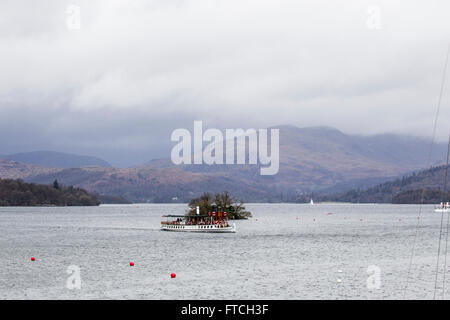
point(286, 251)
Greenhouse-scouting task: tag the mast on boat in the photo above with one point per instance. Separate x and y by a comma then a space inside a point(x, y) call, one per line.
point(445, 206)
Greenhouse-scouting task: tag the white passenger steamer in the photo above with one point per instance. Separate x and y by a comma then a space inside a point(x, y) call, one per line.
point(216, 222)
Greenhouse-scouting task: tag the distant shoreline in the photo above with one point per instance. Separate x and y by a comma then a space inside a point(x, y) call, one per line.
point(251, 204)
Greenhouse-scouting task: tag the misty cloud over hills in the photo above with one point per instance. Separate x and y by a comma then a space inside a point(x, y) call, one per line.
point(135, 71)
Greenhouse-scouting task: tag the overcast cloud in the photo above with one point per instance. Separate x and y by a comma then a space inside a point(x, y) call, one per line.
point(136, 70)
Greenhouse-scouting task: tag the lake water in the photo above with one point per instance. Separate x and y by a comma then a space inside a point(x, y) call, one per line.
point(286, 251)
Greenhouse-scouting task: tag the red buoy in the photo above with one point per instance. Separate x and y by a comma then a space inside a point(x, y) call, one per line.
point(173, 275)
point(131, 264)
point(32, 259)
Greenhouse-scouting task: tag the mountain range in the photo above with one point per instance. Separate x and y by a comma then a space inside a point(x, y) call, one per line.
point(52, 159)
point(317, 159)
point(325, 159)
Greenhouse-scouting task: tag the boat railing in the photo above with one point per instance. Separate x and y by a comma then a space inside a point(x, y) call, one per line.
point(443, 205)
point(223, 224)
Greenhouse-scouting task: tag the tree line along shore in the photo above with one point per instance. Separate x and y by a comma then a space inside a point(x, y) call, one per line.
point(20, 193)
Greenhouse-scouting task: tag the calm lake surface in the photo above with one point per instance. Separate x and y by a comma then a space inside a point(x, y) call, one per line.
point(286, 251)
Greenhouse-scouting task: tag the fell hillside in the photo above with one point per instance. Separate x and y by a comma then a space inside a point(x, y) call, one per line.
point(17, 170)
point(149, 185)
point(52, 159)
point(407, 189)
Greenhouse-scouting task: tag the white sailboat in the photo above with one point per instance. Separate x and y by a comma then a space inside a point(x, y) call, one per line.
point(443, 207)
point(311, 202)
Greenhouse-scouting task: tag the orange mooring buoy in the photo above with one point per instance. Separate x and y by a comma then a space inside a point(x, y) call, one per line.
point(173, 275)
point(33, 258)
point(131, 264)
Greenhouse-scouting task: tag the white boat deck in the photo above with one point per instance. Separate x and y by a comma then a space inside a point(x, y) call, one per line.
point(216, 228)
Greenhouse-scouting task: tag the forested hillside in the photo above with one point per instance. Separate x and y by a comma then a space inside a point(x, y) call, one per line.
point(407, 189)
point(19, 193)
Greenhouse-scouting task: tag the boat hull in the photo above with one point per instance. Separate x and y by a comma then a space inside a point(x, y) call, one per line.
point(199, 228)
point(442, 210)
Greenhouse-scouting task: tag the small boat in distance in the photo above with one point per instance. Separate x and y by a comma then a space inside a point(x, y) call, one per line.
point(443, 207)
point(216, 222)
point(312, 202)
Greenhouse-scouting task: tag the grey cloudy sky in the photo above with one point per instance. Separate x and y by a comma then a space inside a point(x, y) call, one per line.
point(136, 70)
